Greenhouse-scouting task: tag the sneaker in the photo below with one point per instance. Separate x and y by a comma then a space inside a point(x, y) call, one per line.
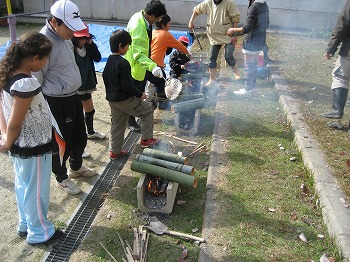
point(22, 234)
point(122, 153)
point(96, 135)
point(69, 187)
point(57, 235)
point(83, 171)
point(85, 154)
point(150, 142)
point(243, 91)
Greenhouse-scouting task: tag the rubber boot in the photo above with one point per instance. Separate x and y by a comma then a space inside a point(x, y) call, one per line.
point(132, 125)
point(339, 100)
point(213, 75)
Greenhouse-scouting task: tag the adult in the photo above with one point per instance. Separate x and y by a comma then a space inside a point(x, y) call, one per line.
point(341, 71)
point(60, 82)
point(222, 14)
point(138, 55)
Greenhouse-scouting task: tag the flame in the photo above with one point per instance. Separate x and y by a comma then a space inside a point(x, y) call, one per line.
point(154, 186)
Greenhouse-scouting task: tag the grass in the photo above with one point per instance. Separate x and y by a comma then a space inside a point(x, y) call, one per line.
point(259, 176)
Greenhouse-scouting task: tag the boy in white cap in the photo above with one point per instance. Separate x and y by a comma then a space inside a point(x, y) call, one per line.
point(60, 81)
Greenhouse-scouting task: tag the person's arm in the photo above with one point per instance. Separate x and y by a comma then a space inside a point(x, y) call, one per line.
point(172, 42)
point(340, 31)
point(18, 112)
point(193, 16)
point(93, 50)
point(126, 80)
point(3, 127)
point(173, 61)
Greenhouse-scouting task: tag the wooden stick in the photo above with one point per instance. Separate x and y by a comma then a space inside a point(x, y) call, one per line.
point(136, 246)
point(198, 146)
point(178, 138)
point(171, 143)
point(146, 246)
point(113, 258)
point(197, 150)
point(123, 245)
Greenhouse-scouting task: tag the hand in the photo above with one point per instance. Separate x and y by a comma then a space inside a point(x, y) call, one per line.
point(234, 40)
point(143, 97)
point(182, 66)
point(157, 72)
point(231, 31)
point(328, 56)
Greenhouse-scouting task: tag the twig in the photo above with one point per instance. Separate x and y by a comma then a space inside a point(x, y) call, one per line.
point(197, 150)
point(198, 146)
point(146, 245)
point(125, 249)
point(171, 143)
point(178, 138)
point(136, 246)
point(113, 258)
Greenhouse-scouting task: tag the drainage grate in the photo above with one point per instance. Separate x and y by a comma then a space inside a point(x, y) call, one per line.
point(81, 222)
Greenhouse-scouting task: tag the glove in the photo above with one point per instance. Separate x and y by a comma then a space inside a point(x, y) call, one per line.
point(157, 72)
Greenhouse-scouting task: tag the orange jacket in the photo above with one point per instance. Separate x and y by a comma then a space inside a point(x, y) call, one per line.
point(161, 40)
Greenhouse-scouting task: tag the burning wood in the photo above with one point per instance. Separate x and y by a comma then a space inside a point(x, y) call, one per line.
point(157, 186)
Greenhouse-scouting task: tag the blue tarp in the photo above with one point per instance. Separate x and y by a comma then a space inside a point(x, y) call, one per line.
point(102, 33)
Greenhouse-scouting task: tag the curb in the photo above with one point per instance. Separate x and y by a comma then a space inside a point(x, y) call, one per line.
point(335, 215)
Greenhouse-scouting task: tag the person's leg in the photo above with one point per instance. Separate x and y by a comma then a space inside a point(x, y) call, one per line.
point(340, 88)
point(118, 125)
point(89, 111)
point(32, 187)
point(230, 59)
point(250, 72)
point(132, 124)
point(213, 56)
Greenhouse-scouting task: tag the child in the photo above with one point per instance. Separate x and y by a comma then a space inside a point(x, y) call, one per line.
point(124, 98)
point(162, 40)
point(254, 41)
point(178, 60)
point(86, 53)
point(26, 133)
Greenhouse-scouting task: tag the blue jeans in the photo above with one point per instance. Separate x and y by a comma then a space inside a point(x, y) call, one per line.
point(214, 52)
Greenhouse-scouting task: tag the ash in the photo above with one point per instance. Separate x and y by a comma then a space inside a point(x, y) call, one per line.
point(155, 202)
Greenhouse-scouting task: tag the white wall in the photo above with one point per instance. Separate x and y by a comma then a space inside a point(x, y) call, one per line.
point(290, 14)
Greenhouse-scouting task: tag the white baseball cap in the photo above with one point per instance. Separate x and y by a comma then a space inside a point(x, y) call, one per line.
point(69, 13)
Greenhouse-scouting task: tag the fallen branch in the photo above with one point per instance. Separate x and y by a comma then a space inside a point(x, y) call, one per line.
point(197, 150)
point(113, 258)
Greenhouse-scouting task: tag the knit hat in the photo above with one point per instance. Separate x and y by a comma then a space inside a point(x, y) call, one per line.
point(183, 39)
point(82, 33)
point(69, 13)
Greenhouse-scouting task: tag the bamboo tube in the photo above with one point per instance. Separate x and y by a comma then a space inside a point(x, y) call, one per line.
point(182, 98)
point(193, 104)
point(165, 156)
point(162, 172)
point(167, 164)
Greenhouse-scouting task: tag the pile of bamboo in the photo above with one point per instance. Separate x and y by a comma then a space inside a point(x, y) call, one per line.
point(165, 165)
point(138, 253)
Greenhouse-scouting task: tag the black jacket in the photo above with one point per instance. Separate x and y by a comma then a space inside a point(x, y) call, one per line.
point(177, 59)
point(341, 33)
point(255, 26)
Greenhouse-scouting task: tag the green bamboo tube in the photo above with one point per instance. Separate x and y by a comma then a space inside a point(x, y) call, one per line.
point(165, 156)
point(182, 98)
point(193, 104)
point(167, 164)
point(163, 172)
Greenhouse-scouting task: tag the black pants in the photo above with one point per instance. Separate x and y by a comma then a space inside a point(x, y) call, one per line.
point(71, 136)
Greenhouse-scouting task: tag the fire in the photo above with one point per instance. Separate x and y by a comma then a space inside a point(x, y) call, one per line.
point(157, 186)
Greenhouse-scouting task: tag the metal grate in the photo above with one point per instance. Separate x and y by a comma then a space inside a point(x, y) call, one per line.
point(81, 222)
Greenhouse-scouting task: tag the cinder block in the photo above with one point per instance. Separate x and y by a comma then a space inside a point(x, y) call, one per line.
point(171, 191)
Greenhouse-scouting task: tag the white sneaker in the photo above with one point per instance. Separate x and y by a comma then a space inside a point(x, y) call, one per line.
point(243, 91)
point(83, 171)
point(69, 187)
point(96, 135)
point(85, 154)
